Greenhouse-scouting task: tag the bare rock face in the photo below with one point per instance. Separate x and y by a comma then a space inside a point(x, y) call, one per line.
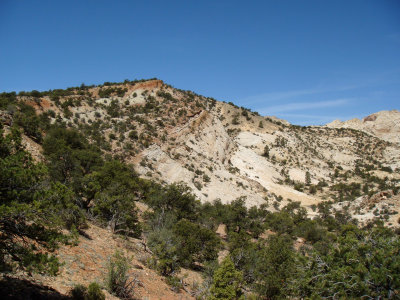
point(383, 124)
point(370, 118)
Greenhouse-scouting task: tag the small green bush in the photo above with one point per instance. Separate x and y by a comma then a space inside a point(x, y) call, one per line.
point(78, 292)
point(175, 283)
point(94, 292)
point(266, 151)
point(117, 280)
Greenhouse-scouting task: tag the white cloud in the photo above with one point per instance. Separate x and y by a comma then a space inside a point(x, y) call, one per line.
point(296, 106)
point(368, 80)
point(274, 96)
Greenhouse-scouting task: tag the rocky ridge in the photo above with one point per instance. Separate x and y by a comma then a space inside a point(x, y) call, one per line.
point(383, 124)
point(223, 151)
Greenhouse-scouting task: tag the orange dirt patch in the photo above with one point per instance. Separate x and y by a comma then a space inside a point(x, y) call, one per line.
point(87, 262)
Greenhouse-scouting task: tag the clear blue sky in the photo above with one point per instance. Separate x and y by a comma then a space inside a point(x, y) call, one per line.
point(305, 61)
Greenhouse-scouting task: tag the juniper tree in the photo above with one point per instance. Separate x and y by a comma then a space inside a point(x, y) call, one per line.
point(227, 282)
point(30, 218)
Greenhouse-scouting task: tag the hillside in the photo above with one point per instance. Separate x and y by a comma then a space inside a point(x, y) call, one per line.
point(188, 189)
point(218, 149)
point(87, 261)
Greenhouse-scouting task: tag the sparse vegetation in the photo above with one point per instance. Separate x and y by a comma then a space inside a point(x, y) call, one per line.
point(271, 252)
point(117, 281)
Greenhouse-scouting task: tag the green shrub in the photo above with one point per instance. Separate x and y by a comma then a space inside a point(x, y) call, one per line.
point(78, 292)
point(195, 243)
point(266, 151)
point(117, 279)
point(175, 283)
point(113, 109)
point(7, 99)
point(312, 189)
point(206, 178)
point(235, 120)
point(133, 135)
point(164, 246)
point(29, 121)
point(94, 292)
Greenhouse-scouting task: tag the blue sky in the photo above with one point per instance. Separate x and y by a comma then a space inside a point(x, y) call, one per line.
point(308, 62)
